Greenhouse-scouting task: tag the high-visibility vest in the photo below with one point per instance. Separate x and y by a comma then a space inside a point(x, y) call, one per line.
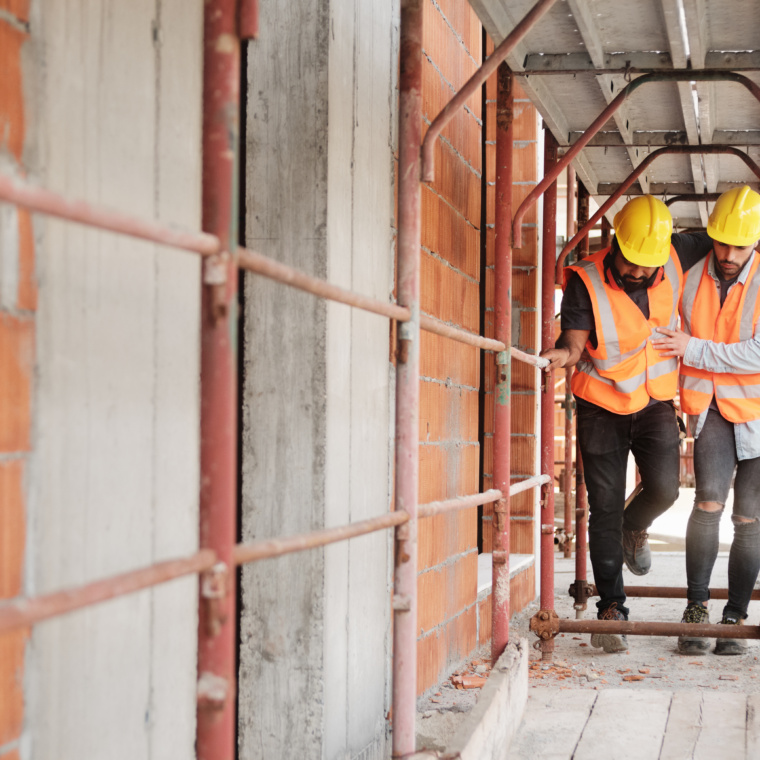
point(624, 370)
point(737, 396)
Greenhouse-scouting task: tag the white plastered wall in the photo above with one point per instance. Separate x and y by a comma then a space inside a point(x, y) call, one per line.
point(115, 118)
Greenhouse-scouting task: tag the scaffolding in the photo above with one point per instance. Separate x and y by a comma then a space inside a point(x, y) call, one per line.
point(219, 554)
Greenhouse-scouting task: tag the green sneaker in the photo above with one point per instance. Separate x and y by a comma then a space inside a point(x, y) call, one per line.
point(731, 646)
point(695, 612)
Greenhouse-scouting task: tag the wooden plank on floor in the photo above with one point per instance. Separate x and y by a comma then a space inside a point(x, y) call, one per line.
point(724, 726)
point(753, 725)
point(684, 726)
point(552, 724)
point(625, 725)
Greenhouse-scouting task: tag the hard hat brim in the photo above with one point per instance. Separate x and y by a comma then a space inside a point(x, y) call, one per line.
point(656, 259)
point(735, 240)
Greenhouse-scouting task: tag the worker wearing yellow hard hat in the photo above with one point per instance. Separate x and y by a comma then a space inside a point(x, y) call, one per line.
point(720, 390)
point(624, 389)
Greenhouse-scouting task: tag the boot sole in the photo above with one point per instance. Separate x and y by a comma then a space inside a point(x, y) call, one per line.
point(609, 642)
point(693, 647)
point(730, 647)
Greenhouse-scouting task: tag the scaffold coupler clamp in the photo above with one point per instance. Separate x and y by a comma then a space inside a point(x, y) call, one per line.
point(545, 624)
point(214, 583)
point(581, 591)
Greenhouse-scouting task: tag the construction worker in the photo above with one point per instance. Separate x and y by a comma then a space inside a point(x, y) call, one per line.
point(720, 390)
point(624, 389)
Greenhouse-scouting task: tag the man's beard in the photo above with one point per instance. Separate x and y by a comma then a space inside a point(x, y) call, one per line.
point(634, 283)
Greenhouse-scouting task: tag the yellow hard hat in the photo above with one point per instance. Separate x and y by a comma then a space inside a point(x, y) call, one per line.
point(735, 220)
point(643, 228)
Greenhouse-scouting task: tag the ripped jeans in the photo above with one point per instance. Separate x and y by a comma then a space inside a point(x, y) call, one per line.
point(714, 464)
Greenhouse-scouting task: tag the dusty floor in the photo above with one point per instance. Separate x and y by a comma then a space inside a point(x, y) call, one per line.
point(651, 662)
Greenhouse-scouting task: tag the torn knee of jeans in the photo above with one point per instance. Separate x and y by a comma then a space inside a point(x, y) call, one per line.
point(698, 508)
point(740, 521)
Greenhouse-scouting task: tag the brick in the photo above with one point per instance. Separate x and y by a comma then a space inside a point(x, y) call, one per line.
point(522, 589)
point(431, 599)
point(521, 537)
point(16, 368)
point(462, 636)
point(27, 287)
point(523, 376)
point(524, 288)
point(448, 234)
point(11, 684)
point(448, 413)
point(448, 295)
point(463, 130)
point(484, 621)
point(445, 359)
point(17, 8)
point(523, 455)
point(462, 584)
point(11, 85)
point(527, 337)
point(519, 194)
point(457, 183)
point(523, 413)
point(521, 504)
point(462, 18)
point(525, 123)
point(431, 659)
point(524, 161)
point(12, 527)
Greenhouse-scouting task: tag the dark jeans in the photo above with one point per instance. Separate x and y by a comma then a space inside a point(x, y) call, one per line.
point(605, 441)
point(714, 464)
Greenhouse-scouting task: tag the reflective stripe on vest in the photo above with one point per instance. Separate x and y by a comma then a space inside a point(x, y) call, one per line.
point(624, 371)
point(737, 395)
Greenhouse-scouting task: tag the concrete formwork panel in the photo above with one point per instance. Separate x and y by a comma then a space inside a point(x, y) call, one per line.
point(316, 400)
point(117, 109)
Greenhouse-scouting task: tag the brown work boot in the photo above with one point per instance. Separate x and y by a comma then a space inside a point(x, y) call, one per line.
point(610, 642)
point(730, 646)
point(636, 552)
point(695, 612)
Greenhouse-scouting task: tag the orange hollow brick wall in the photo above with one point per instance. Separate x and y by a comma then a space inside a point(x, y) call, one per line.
point(18, 302)
point(525, 301)
point(451, 621)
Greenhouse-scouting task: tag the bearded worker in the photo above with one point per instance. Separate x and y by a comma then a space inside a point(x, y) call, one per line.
point(624, 389)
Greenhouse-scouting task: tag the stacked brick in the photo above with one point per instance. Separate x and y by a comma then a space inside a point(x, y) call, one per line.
point(450, 371)
point(525, 302)
point(18, 302)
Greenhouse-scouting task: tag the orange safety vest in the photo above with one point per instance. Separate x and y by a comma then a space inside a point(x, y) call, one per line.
point(624, 370)
point(737, 396)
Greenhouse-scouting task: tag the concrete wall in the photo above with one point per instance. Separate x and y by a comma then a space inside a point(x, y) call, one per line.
point(115, 103)
point(317, 398)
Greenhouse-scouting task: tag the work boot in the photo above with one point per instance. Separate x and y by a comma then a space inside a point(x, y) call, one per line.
point(695, 612)
point(731, 646)
point(610, 642)
point(636, 551)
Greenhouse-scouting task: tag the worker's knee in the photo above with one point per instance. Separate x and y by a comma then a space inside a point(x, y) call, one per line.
point(709, 506)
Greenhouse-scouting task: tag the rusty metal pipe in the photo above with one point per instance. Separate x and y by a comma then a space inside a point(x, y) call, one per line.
point(276, 547)
point(475, 82)
point(404, 691)
point(714, 630)
point(453, 505)
point(21, 613)
point(528, 483)
point(692, 197)
point(248, 19)
point(674, 592)
point(500, 599)
point(274, 270)
point(46, 202)
point(705, 75)
point(631, 178)
point(217, 620)
point(548, 257)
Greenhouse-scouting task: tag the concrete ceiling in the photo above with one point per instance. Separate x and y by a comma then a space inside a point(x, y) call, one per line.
point(580, 55)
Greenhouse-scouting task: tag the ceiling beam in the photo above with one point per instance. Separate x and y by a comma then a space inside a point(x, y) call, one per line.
point(610, 88)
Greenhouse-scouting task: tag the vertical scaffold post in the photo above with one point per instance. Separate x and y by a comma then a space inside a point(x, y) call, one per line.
point(217, 624)
point(500, 601)
point(581, 588)
point(548, 261)
point(407, 380)
point(569, 416)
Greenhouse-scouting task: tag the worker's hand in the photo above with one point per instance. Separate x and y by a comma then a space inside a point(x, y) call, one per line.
point(557, 358)
point(673, 342)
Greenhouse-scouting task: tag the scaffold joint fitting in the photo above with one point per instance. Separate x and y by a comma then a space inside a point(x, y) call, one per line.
point(545, 624)
point(213, 592)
